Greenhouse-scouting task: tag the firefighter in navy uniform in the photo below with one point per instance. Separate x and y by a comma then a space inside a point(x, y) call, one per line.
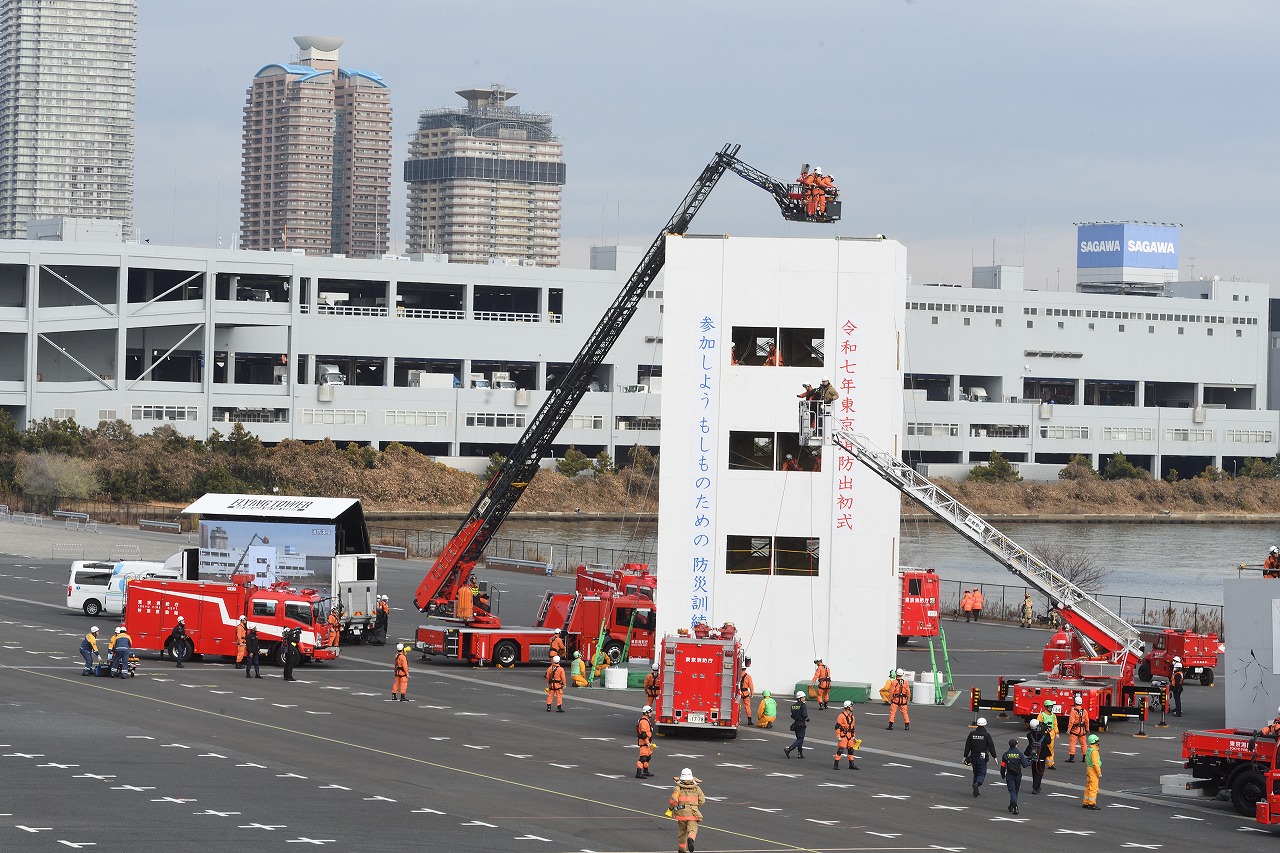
point(290, 640)
point(1176, 680)
point(979, 748)
point(178, 641)
point(252, 650)
point(799, 722)
point(1037, 745)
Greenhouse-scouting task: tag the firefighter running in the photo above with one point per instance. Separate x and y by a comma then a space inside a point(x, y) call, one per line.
point(1077, 728)
point(822, 681)
point(685, 805)
point(555, 685)
point(746, 689)
point(846, 736)
point(400, 686)
point(644, 739)
point(899, 699)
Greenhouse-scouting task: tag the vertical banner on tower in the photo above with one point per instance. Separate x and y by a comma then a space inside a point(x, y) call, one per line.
point(844, 415)
point(706, 428)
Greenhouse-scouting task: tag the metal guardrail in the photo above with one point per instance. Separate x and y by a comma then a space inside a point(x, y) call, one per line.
point(506, 562)
point(402, 552)
point(160, 525)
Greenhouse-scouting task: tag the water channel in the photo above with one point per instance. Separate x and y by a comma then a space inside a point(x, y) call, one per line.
point(1182, 562)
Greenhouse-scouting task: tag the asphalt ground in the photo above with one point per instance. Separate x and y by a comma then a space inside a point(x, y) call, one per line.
point(200, 757)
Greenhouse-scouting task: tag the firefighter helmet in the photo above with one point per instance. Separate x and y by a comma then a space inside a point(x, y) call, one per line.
point(655, 666)
point(848, 704)
point(799, 694)
point(93, 630)
point(646, 709)
point(817, 170)
point(1275, 549)
point(1093, 738)
point(577, 655)
point(982, 721)
point(686, 775)
point(182, 619)
point(555, 658)
point(1048, 704)
point(1035, 724)
point(898, 673)
point(120, 630)
point(1079, 700)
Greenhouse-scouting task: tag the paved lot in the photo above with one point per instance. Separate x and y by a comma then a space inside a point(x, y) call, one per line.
point(192, 758)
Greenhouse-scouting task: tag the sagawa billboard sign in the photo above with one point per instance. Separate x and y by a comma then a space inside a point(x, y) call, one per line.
point(1127, 245)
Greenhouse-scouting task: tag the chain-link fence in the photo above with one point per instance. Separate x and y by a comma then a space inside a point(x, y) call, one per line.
point(564, 555)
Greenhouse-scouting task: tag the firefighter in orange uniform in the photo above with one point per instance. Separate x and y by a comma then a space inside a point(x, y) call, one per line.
point(822, 680)
point(652, 685)
point(821, 183)
point(966, 604)
point(644, 739)
point(977, 603)
point(242, 635)
point(400, 687)
point(1077, 728)
point(466, 603)
point(557, 645)
point(806, 181)
point(899, 699)
point(1271, 566)
point(846, 738)
point(1273, 728)
point(746, 689)
point(335, 628)
point(685, 806)
point(555, 685)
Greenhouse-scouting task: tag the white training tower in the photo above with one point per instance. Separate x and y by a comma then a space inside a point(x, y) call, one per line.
point(804, 563)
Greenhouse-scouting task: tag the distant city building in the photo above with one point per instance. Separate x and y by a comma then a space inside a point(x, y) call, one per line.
point(68, 71)
point(316, 173)
point(484, 183)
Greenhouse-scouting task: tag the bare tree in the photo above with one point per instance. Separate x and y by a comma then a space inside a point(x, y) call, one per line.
point(1074, 562)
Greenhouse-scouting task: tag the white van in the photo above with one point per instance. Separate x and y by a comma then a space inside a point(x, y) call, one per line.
point(127, 570)
point(87, 586)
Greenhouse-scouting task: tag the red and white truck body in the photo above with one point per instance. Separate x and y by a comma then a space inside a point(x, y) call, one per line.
point(212, 609)
point(699, 684)
point(629, 579)
point(918, 602)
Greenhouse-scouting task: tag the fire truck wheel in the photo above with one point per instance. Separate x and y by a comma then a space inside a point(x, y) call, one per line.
point(92, 607)
point(276, 654)
point(1144, 672)
point(1206, 677)
point(613, 651)
point(506, 653)
point(1248, 788)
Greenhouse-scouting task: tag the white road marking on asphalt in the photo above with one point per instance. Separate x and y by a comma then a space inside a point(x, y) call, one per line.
point(1184, 817)
point(596, 738)
point(290, 776)
point(1058, 794)
point(251, 764)
point(1130, 754)
point(475, 746)
point(1073, 832)
point(948, 849)
point(438, 738)
point(268, 827)
point(616, 776)
point(1121, 806)
point(836, 785)
point(823, 822)
point(786, 775)
point(434, 707)
point(892, 796)
point(375, 694)
point(760, 809)
point(945, 773)
point(726, 764)
point(23, 755)
point(278, 705)
point(565, 766)
point(683, 755)
point(378, 798)
point(1250, 829)
point(1131, 844)
point(470, 713)
point(1172, 761)
point(896, 764)
point(339, 787)
point(253, 698)
point(305, 840)
point(210, 755)
point(92, 776)
point(215, 813)
point(321, 713)
point(178, 745)
point(885, 834)
point(78, 844)
point(175, 800)
point(479, 823)
point(59, 766)
point(513, 755)
point(531, 838)
point(1010, 819)
point(133, 787)
point(334, 687)
point(35, 828)
point(425, 811)
point(220, 692)
point(949, 808)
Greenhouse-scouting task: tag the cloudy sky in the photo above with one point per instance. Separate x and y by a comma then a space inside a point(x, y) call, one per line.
point(966, 129)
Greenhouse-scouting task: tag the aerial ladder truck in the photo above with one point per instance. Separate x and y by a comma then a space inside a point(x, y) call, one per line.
point(482, 638)
point(1109, 647)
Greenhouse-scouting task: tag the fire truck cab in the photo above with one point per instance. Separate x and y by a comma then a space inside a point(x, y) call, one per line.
point(1198, 653)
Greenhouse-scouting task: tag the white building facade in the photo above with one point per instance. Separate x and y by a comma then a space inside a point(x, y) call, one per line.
point(792, 541)
point(451, 359)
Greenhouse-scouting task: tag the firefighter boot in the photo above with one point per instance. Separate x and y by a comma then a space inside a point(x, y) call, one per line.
point(559, 709)
point(836, 765)
point(689, 845)
point(404, 697)
point(1071, 759)
point(907, 726)
point(647, 774)
point(548, 708)
point(852, 766)
point(639, 773)
point(889, 727)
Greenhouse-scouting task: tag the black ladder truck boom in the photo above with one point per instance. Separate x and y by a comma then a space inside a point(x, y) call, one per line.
point(438, 590)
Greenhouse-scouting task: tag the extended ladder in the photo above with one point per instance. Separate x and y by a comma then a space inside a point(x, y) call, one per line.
point(1119, 639)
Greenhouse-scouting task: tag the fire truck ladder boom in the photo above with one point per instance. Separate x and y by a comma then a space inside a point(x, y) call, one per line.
point(508, 484)
point(1082, 611)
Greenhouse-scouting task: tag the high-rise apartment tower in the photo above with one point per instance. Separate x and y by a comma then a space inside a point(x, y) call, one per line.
point(68, 72)
point(484, 182)
point(316, 173)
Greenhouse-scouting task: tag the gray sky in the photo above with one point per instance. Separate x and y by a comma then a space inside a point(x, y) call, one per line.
point(947, 123)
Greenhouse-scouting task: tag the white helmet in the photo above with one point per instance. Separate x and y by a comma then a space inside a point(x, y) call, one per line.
point(1079, 699)
point(817, 170)
point(1177, 659)
point(848, 704)
point(686, 775)
point(1275, 549)
point(646, 709)
point(182, 619)
point(655, 666)
point(1035, 724)
point(982, 721)
point(826, 379)
point(93, 630)
point(403, 647)
point(555, 658)
point(799, 694)
point(557, 632)
point(120, 630)
point(898, 673)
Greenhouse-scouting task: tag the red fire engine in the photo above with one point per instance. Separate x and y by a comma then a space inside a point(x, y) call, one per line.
point(1198, 653)
point(699, 682)
point(1240, 761)
point(212, 609)
point(477, 634)
point(630, 579)
point(918, 600)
